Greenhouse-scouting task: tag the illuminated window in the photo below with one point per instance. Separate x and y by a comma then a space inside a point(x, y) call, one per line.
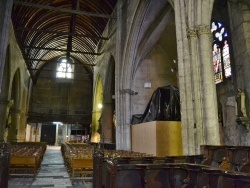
point(221, 52)
point(65, 69)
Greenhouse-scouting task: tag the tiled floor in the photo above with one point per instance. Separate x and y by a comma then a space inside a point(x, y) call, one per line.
point(53, 173)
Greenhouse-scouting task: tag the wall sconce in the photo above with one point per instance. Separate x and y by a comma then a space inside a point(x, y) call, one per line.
point(147, 85)
point(99, 105)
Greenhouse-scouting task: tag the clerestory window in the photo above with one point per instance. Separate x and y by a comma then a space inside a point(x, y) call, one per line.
point(221, 52)
point(65, 69)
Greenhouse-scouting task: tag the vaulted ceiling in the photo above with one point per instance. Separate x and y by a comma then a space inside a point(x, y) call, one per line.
point(49, 29)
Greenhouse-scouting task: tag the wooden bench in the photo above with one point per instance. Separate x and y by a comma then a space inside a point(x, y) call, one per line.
point(80, 168)
point(23, 165)
point(172, 175)
point(235, 158)
point(26, 158)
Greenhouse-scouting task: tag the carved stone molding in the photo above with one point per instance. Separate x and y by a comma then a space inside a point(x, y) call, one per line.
point(192, 32)
point(204, 30)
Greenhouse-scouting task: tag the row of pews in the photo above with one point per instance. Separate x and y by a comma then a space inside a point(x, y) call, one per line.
point(78, 159)
point(217, 167)
point(26, 158)
point(235, 158)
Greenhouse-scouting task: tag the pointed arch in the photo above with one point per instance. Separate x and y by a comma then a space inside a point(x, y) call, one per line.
point(130, 54)
point(109, 103)
point(15, 108)
point(97, 110)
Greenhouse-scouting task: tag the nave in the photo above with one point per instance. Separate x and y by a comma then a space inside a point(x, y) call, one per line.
point(53, 173)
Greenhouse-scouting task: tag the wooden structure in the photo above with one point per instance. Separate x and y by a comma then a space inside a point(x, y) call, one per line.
point(26, 158)
point(159, 138)
point(4, 163)
point(78, 158)
point(175, 171)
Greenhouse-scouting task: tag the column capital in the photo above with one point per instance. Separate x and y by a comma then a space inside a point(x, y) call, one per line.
point(204, 30)
point(192, 33)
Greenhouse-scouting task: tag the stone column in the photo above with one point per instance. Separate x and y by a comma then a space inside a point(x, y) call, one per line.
point(15, 121)
point(185, 79)
point(5, 21)
point(56, 139)
point(4, 111)
point(36, 132)
point(21, 137)
point(107, 123)
point(122, 139)
point(208, 90)
point(197, 128)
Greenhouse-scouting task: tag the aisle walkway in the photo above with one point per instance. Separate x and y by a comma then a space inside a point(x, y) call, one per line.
point(53, 173)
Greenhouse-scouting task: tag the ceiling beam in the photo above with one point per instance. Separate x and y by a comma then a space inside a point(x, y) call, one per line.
point(61, 50)
point(61, 33)
point(71, 30)
point(34, 5)
point(53, 70)
point(54, 61)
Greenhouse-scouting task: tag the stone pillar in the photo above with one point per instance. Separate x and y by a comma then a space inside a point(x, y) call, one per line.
point(56, 139)
point(15, 121)
point(21, 137)
point(122, 137)
point(107, 123)
point(36, 132)
point(185, 79)
point(5, 21)
point(4, 111)
point(208, 90)
point(197, 128)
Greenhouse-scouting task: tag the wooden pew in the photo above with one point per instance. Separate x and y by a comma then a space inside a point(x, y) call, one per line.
point(235, 158)
point(170, 175)
point(23, 165)
point(26, 158)
point(80, 168)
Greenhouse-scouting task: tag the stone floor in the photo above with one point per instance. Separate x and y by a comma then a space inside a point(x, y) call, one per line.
point(53, 173)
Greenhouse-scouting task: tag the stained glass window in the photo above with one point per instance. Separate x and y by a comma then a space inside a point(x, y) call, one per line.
point(221, 52)
point(64, 69)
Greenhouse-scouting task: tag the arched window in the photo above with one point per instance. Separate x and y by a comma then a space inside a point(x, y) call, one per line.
point(221, 52)
point(65, 69)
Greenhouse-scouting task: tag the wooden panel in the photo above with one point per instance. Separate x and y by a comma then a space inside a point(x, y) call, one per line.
point(169, 142)
point(144, 138)
point(160, 138)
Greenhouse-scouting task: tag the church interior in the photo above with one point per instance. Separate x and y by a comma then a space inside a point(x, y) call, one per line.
point(125, 94)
